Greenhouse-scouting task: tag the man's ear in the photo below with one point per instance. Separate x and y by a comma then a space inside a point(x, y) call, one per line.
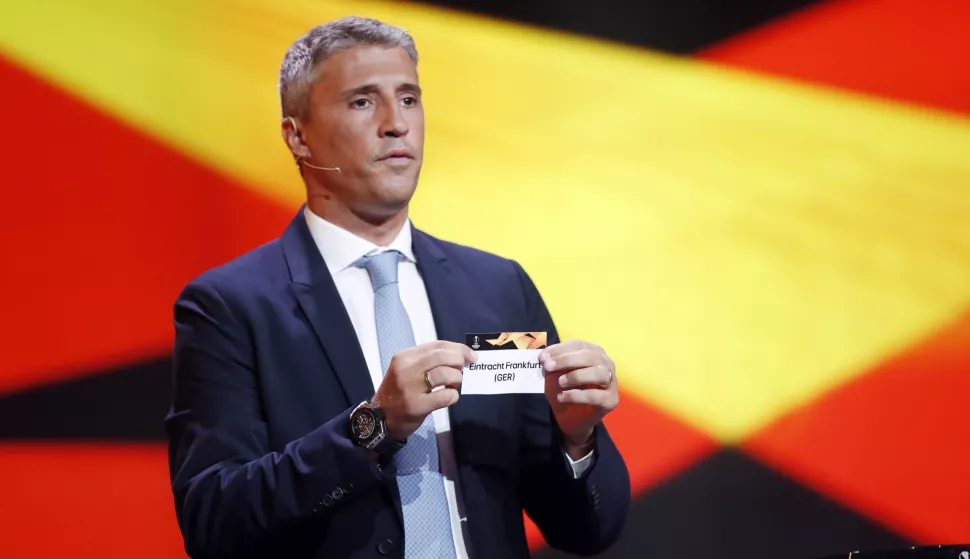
point(294, 138)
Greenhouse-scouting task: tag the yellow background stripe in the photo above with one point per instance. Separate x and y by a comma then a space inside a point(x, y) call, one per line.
point(740, 244)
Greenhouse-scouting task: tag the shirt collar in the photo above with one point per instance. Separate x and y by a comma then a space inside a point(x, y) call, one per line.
point(341, 248)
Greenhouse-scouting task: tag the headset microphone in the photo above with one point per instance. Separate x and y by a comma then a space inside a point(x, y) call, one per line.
point(321, 168)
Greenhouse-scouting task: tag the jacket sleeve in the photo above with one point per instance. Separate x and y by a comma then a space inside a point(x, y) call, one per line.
point(233, 496)
point(582, 516)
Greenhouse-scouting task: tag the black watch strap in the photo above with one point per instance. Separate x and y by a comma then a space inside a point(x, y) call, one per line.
point(389, 445)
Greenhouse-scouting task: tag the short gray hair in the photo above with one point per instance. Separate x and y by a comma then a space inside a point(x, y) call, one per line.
point(306, 53)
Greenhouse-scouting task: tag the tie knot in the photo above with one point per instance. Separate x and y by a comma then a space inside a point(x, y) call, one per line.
point(382, 267)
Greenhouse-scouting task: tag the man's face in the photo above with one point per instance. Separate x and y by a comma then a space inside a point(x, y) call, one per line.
point(366, 118)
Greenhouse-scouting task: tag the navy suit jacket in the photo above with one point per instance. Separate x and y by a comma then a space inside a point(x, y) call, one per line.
point(267, 370)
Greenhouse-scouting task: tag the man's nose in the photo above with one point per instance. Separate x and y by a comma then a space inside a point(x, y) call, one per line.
point(394, 124)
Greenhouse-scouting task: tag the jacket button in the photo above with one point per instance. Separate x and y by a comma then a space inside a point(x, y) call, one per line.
point(385, 547)
point(338, 493)
point(327, 500)
point(348, 487)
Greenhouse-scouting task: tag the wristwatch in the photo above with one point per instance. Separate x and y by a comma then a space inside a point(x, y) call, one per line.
point(368, 429)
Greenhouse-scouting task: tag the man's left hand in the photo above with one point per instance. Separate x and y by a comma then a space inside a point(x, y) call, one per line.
point(581, 388)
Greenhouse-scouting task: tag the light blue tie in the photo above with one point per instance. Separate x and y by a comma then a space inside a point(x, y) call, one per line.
point(427, 522)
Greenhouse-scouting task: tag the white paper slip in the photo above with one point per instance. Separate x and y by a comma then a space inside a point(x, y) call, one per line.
point(504, 371)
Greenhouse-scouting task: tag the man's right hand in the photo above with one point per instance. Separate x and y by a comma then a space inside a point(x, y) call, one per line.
point(404, 395)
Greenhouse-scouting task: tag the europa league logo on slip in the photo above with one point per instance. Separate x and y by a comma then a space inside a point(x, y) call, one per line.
point(506, 340)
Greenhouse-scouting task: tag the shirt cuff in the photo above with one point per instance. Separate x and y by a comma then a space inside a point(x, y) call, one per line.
point(580, 466)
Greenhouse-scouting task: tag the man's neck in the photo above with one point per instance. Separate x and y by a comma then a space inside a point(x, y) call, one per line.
point(381, 232)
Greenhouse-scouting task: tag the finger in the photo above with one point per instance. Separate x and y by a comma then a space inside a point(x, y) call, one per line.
point(454, 356)
point(567, 346)
point(556, 352)
point(470, 355)
point(603, 399)
point(441, 399)
point(418, 351)
point(598, 377)
point(578, 359)
point(444, 376)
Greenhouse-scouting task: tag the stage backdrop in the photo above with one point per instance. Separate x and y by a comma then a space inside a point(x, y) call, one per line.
point(762, 209)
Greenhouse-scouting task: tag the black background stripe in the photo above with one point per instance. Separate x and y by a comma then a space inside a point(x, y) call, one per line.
point(124, 404)
point(731, 506)
point(679, 27)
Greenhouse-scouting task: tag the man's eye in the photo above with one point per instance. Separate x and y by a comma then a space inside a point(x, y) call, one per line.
point(360, 103)
point(409, 101)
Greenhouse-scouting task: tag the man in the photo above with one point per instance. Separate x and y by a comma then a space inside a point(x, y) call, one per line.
point(317, 408)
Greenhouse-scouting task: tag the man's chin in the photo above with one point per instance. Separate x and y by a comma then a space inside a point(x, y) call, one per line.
point(398, 189)
point(388, 202)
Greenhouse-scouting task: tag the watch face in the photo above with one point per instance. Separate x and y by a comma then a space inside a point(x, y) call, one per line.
point(364, 424)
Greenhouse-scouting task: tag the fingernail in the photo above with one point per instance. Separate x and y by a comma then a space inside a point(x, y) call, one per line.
point(561, 396)
point(562, 380)
point(550, 365)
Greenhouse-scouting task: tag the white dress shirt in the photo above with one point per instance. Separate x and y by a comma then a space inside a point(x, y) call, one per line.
point(340, 249)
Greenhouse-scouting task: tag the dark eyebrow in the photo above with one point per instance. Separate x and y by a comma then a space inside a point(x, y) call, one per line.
point(409, 88)
point(373, 88)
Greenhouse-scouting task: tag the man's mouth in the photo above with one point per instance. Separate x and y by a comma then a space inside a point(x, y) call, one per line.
point(396, 153)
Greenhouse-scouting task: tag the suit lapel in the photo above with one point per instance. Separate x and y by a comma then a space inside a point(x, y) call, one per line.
point(320, 301)
point(440, 285)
